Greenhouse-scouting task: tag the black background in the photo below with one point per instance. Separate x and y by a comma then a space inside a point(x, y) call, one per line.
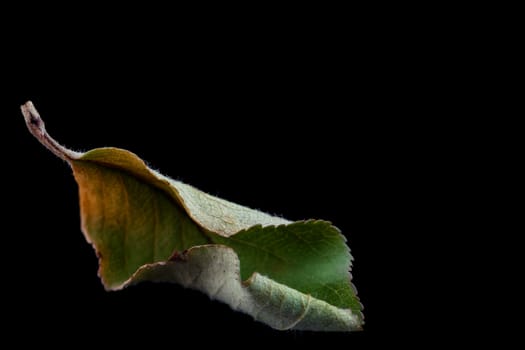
point(304, 123)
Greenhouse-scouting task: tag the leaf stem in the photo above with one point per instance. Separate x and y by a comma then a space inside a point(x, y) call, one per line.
point(36, 126)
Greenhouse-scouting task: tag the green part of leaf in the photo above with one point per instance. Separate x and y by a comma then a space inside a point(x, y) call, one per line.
point(129, 222)
point(311, 257)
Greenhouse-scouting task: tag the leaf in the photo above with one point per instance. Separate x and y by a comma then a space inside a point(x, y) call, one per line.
point(145, 226)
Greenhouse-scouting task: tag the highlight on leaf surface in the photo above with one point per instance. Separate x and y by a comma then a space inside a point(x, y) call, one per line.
point(145, 226)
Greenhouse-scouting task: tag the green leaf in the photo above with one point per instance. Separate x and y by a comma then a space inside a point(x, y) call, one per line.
point(308, 256)
point(145, 226)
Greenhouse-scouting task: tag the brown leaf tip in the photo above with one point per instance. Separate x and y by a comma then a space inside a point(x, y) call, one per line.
point(31, 115)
